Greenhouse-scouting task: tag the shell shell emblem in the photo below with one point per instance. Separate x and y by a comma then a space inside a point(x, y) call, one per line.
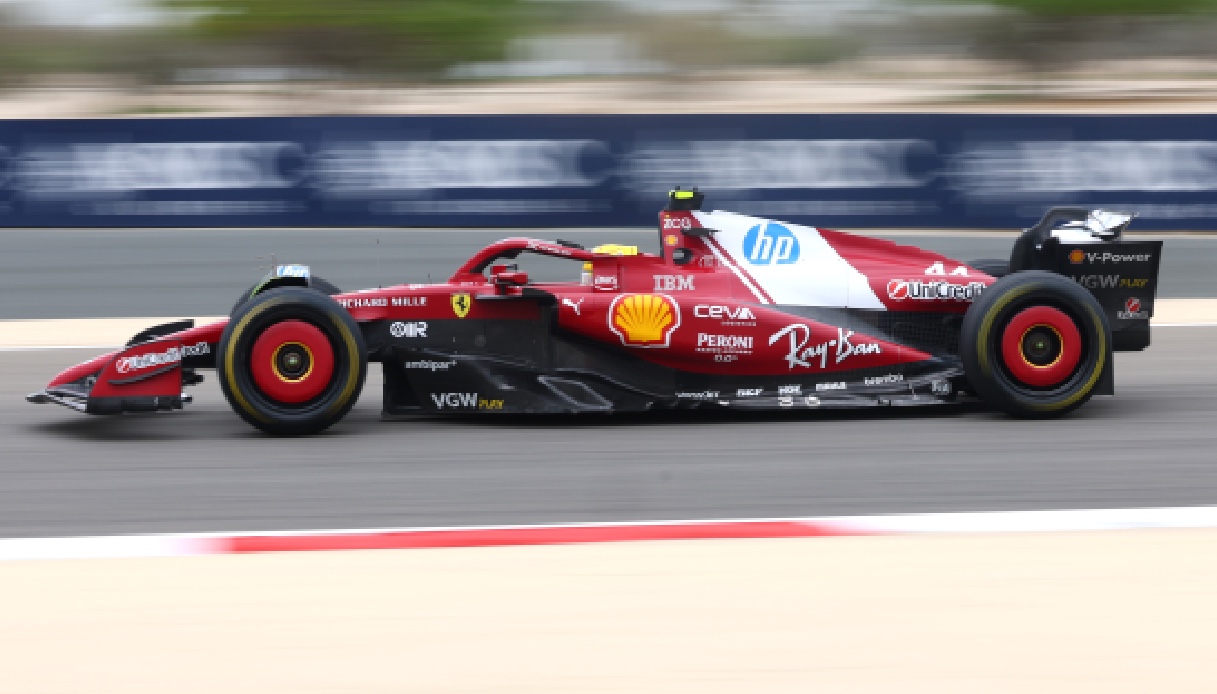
point(644, 320)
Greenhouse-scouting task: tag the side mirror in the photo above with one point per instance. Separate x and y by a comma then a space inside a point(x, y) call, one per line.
point(509, 278)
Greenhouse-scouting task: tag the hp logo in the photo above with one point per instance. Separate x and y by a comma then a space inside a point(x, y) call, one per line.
point(770, 243)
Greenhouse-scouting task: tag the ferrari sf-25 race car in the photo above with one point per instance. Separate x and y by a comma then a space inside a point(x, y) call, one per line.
point(732, 312)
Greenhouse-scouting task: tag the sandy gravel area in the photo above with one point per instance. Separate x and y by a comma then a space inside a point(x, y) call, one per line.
point(1129, 611)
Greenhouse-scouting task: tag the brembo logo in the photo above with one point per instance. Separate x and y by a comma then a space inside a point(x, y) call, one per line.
point(919, 290)
point(770, 244)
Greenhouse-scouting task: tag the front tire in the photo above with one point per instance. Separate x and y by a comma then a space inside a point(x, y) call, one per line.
point(314, 282)
point(1035, 345)
point(292, 361)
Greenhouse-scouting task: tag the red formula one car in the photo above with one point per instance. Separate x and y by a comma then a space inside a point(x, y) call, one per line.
point(733, 312)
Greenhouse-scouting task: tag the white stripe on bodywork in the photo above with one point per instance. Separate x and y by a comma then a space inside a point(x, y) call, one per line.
point(730, 264)
point(819, 277)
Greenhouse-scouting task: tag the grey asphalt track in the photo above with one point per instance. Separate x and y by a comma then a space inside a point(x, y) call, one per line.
point(101, 273)
point(62, 473)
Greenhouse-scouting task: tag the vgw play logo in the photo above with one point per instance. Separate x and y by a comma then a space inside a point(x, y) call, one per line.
point(771, 244)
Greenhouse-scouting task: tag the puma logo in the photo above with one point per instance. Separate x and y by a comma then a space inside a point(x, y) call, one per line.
point(575, 305)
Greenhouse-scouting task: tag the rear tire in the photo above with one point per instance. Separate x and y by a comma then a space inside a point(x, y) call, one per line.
point(992, 267)
point(1035, 345)
point(292, 361)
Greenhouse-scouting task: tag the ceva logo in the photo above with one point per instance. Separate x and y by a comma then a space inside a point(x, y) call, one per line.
point(769, 244)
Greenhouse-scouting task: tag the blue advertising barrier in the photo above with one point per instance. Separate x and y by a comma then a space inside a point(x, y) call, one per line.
point(846, 171)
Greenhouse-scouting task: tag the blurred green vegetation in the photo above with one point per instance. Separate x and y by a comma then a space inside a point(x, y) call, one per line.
point(33, 53)
point(362, 37)
point(1045, 35)
point(1100, 8)
point(414, 40)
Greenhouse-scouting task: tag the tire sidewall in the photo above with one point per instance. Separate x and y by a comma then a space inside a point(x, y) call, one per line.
point(318, 283)
point(269, 308)
point(982, 331)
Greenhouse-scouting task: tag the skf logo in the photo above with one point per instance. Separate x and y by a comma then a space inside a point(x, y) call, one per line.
point(678, 283)
point(461, 303)
point(644, 320)
point(1077, 256)
point(677, 223)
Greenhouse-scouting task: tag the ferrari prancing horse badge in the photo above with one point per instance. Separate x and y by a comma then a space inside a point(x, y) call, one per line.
point(461, 304)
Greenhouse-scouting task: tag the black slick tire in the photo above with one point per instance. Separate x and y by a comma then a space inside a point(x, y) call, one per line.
point(992, 267)
point(992, 331)
point(284, 329)
point(318, 283)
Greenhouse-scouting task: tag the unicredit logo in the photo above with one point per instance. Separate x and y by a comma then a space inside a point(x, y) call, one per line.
point(919, 290)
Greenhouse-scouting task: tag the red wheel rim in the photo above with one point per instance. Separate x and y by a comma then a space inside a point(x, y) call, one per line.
point(1041, 346)
point(292, 362)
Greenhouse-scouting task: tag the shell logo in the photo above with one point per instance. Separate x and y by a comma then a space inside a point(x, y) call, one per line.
point(1076, 256)
point(644, 320)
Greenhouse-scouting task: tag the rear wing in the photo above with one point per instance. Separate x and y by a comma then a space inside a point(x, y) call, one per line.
point(1123, 276)
point(1088, 247)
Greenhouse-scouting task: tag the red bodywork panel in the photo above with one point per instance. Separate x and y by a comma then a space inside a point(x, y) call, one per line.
point(715, 301)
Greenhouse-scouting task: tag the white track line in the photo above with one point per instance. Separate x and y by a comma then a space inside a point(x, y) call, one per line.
point(194, 544)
